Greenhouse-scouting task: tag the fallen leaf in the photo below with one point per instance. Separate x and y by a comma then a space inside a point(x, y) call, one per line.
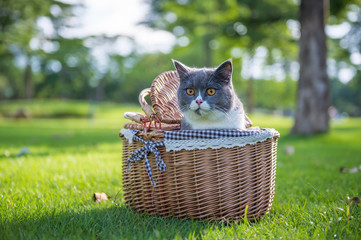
point(350, 170)
point(100, 197)
point(355, 200)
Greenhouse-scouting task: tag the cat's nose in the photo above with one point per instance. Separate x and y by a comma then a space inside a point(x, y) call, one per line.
point(199, 102)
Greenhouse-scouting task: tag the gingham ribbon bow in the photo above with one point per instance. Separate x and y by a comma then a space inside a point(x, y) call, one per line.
point(142, 153)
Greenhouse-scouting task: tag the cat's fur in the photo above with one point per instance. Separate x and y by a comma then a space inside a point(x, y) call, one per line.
point(202, 110)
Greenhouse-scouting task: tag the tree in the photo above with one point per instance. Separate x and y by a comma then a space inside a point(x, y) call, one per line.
point(215, 27)
point(18, 27)
point(313, 96)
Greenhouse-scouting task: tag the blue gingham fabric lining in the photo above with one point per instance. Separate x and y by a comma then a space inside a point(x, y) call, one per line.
point(193, 139)
point(214, 138)
point(209, 134)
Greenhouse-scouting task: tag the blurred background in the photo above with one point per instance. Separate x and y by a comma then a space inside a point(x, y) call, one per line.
point(110, 50)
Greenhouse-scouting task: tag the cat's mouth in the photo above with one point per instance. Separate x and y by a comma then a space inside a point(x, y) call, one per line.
point(201, 112)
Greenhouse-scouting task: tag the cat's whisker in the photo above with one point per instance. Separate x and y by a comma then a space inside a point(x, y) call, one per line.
point(184, 108)
point(221, 109)
point(225, 112)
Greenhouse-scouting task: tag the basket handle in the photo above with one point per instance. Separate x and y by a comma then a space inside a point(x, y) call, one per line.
point(145, 106)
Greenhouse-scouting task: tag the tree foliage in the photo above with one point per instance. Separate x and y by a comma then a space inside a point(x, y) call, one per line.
point(218, 26)
point(19, 27)
point(42, 64)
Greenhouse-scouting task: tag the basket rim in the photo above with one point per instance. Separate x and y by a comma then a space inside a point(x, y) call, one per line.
point(160, 133)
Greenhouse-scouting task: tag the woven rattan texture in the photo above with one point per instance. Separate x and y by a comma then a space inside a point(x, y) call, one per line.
point(164, 97)
point(139, 126)
point(212, 184)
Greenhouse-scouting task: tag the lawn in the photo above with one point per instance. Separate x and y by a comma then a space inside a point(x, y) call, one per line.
point(47, 192)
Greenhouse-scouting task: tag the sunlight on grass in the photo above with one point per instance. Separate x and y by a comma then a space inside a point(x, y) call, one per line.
point(47, 193)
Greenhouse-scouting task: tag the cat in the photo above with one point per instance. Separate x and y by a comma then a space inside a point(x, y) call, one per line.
point(207, 99)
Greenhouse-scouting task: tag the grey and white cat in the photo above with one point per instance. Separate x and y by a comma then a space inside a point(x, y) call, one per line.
point(207, 99)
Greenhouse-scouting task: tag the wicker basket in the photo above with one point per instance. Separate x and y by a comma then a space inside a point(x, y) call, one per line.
point(214, 184)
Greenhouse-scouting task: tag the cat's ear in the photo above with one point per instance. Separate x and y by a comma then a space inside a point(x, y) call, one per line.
point(224, 71)
point(182, 69)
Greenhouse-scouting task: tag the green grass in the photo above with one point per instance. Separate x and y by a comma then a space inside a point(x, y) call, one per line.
point(60, 108)
point(47, 194)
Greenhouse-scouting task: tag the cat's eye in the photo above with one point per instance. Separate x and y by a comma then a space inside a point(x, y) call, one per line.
point(190, 91)
point(211, 91)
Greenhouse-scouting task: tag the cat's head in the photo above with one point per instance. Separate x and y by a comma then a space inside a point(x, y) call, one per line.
point(205, 93)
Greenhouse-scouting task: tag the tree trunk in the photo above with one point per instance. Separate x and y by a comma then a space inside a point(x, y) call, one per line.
point(208, 51)
point(313, 97)
point(28, 78)
point(100, 91)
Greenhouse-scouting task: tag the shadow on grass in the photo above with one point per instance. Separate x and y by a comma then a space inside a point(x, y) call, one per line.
point(113, 222)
